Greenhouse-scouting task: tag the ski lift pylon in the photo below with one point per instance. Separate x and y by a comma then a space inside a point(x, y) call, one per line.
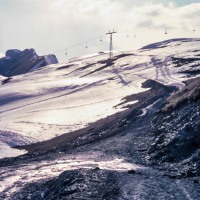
point(86, 46)
point(65, 51)
point(165, 31)
point(101, 39)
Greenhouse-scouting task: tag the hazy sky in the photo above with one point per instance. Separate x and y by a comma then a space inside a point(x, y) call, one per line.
point(50, 26)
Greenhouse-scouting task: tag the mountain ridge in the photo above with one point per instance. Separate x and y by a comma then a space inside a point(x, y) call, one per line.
point(95, 128)
point(18, 62)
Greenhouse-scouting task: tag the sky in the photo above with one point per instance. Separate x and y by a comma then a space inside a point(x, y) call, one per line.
point(51, 26)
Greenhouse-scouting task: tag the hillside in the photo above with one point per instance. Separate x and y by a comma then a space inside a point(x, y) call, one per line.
point(94, 128)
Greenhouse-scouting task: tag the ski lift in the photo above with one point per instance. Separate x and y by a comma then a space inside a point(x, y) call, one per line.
point(65, 51)
point(86, 45)
point(194, 29)
point(101, 39)
point(165, 31)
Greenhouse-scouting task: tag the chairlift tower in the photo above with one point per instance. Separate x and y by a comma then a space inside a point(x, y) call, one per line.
point(111, 43)
point(65, 51)
point(165, 31)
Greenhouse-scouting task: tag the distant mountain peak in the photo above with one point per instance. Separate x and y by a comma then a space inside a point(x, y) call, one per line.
point(18, 62)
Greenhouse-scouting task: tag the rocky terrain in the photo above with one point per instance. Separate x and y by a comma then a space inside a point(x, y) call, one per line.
point(177, 130)
point(93, 128)
point(18, 62)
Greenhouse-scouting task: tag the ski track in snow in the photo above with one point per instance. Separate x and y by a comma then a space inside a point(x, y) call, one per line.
point(54, 97)
point(125, 76)
point(161, 66)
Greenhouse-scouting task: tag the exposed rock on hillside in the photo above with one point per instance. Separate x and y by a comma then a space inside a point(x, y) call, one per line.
point(75, 184)
point(19, 62)
point(177, 129)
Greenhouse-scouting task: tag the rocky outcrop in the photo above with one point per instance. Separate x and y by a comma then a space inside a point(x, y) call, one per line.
point(85, 184)
point(18, 62)
point(177, 130)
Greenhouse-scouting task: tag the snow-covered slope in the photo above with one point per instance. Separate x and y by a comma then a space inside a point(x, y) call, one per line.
point(68, 96)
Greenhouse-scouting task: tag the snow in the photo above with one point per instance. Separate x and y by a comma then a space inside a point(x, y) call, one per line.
point(71, 102)
point(2, 78)
point(2, 55)
point(64, 97)
point(144, 110)
point(16, 179)
point(7, 151)
point(9, 139)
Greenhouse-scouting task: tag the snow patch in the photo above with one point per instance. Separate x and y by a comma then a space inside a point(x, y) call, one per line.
point(2, 55)
point(7, 151)
point(145, 110)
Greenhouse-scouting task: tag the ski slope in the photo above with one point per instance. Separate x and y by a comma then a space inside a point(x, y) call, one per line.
point(64, 97)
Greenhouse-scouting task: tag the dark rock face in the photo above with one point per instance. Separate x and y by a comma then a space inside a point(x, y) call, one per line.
point(177, 130)
point(12, 53)
point(74, 184)
point(19, 62)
